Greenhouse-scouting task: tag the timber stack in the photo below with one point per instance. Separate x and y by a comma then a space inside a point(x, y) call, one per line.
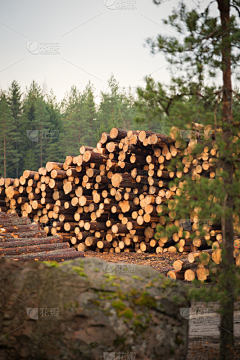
point(22, 240)
point(199, 263)
point(111, 198)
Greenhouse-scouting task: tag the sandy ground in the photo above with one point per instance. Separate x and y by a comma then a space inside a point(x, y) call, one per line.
point(203, 321)
point(204, 335)
point(160, 262)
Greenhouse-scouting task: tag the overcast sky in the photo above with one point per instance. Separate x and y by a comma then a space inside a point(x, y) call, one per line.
point(86, 39)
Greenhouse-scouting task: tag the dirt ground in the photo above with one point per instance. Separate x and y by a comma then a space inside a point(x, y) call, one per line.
point(204, 336)
point(204, 326)
point(160, 262)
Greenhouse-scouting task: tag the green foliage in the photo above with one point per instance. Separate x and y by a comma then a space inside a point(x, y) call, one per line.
point(51, 263)
point(7, 137)
point(38, 129)
point(14, 100)
point(206, 43)
point(79, 271)
point(115, 110)
point(201, 39)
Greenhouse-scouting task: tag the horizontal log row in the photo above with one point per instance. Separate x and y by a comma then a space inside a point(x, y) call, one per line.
point(22, 240)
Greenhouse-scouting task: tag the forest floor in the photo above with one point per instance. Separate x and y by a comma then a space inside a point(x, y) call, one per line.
point(204, 327)
point(160, 262)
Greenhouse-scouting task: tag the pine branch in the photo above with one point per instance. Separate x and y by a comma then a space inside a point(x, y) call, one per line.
point(236, 8)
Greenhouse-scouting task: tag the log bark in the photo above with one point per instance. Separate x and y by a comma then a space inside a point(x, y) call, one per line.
point(34, 248)
point(55, 255)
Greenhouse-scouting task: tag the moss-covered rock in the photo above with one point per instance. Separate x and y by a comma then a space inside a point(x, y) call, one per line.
point(71, 311)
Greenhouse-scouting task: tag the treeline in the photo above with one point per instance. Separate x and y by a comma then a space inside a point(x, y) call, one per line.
point(35, 128)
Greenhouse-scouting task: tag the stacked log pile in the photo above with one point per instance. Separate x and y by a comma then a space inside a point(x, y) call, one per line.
point(202, 264)
point(111, 198)
point(22, 240)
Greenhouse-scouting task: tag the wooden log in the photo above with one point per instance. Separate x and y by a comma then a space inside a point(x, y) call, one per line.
point(56, 255)
point(202, 272)
point(144, 246)
point(33, 234)
point(91, 241)
point(70, 226)
point(189, 275)
point(105, 137)
point(60, 195)
point(83, 235)
point(217, 256)
point(94, 225)
point(19, 228)
point(83, 149)
point(103, 244)
point(119, 229)
point(58, 174)
point(12, 221)
point(192, 257)
point(124, 180)
point(175, 275)
point(81, 247)
point(9, 182)
point(34, 248)
point(12, 192)
point(93, 157)
point(28, 174)
point(117, 134)
point(184, 265)
point(54, 166)
point(54, 184)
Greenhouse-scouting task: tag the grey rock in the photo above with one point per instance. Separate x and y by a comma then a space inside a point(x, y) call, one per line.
point(76, 310)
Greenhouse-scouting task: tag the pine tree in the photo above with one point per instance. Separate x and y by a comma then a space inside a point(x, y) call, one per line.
point(42, 125)
point(55, 149)
point(29, 133)
point(14, 101)
point(89, 117)
point(7, 151)
point(209, 43)
point(116, 108)
point(71, 108)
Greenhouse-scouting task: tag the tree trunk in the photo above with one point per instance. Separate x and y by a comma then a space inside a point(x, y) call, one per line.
point(227, 303)
point(4, 153)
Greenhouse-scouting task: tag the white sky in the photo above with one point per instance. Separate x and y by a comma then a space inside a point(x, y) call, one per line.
point(94, 41)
